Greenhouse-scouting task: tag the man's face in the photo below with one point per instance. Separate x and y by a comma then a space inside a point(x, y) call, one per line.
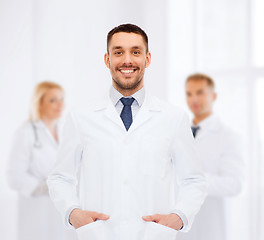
point(127, 59)
point(200, 97)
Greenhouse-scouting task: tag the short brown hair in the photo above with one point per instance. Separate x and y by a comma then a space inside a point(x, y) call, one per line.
point(128, 28)
point(199, 77)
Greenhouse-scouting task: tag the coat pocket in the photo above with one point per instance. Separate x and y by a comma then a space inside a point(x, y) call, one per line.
point(94, 230)
point(155, 231)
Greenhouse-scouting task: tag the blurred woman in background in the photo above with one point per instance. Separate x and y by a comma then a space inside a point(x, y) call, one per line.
point(31, 159)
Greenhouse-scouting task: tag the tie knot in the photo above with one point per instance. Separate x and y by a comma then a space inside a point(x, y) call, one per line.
point(194, 130)
point(127, 101)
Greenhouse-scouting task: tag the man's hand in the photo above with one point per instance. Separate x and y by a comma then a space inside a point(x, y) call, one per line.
point(79, 218)
point(170, 220)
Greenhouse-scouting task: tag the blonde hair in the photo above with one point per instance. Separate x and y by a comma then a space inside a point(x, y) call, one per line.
point(201, 76)
point(37, 98)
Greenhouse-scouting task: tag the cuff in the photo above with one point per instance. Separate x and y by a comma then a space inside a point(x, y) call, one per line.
point(67, 217)
point(182, 217)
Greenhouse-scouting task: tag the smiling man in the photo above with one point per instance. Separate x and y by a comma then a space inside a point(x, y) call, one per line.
point(128, 63)
point(126, 167)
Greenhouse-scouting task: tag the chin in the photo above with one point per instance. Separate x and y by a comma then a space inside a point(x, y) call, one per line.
point(57, 116)
point(197, 113)
point(128, 86)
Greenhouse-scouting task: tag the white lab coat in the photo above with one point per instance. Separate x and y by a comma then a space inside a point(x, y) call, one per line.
point(128, 174)
point(27, 172)
point(219, 150)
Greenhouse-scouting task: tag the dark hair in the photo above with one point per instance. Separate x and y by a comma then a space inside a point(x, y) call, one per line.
point(199, 77)
point(128, 28)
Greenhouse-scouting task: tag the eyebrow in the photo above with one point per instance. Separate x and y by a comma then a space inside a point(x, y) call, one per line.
point(134, 47)
point(117, 47)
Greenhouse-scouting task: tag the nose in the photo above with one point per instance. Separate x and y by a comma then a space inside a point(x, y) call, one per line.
point(127, 58)
point(60, 103)
point(191, 99)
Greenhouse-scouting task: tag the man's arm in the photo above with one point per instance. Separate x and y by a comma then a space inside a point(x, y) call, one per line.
point(188, 175)
point(62, 181)
point(191, 181)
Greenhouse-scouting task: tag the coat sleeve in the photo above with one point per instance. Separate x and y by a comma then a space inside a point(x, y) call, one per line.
point(191, 184)
point(229, 179)
point(63, 180)
point(18, 175)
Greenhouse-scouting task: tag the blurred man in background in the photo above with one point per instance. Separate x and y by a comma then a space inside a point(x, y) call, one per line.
point(219, 150)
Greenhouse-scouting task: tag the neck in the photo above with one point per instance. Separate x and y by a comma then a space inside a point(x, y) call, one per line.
point(50, 123)
point(127, 92)
point(199, 118)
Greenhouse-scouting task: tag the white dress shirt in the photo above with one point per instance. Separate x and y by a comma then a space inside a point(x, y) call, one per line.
point(139, 97)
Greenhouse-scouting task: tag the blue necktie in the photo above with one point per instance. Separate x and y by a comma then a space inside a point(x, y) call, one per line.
point(126, 114)
point(194, 130)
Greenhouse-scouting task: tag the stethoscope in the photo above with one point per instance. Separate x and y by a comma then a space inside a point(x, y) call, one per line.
point(37, 143)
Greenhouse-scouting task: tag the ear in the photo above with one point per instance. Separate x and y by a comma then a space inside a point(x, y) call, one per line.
point(148, 59)
point(106, 60)
point(214, 96)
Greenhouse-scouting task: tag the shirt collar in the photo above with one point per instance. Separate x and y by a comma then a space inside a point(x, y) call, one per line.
point(139, 96)
point(39, 124)
point(207, 122)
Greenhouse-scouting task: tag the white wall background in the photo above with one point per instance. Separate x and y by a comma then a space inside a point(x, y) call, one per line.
point(64, 41)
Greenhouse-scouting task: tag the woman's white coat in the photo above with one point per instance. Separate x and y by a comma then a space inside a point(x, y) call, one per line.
point(32, 157)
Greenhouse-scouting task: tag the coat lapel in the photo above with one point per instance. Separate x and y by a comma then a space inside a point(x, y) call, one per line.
point(112, 115)
point(40, 126)
point(210, 125)
point(109, 111)
point(145, 113)
point(149, 106)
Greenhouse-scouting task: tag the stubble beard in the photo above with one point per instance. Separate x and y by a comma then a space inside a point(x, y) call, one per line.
point(128, 85)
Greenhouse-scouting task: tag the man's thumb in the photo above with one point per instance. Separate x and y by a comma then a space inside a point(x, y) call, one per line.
point(148, 218)
point(101, 216)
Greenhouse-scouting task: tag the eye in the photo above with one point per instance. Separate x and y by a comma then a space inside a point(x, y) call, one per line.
point(118, 53)
point(53, 100)
point(136, 52)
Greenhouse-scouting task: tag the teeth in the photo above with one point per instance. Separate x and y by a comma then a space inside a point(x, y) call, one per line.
point(127, 71)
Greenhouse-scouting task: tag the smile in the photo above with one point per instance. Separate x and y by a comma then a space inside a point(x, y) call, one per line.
point(127, 71)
